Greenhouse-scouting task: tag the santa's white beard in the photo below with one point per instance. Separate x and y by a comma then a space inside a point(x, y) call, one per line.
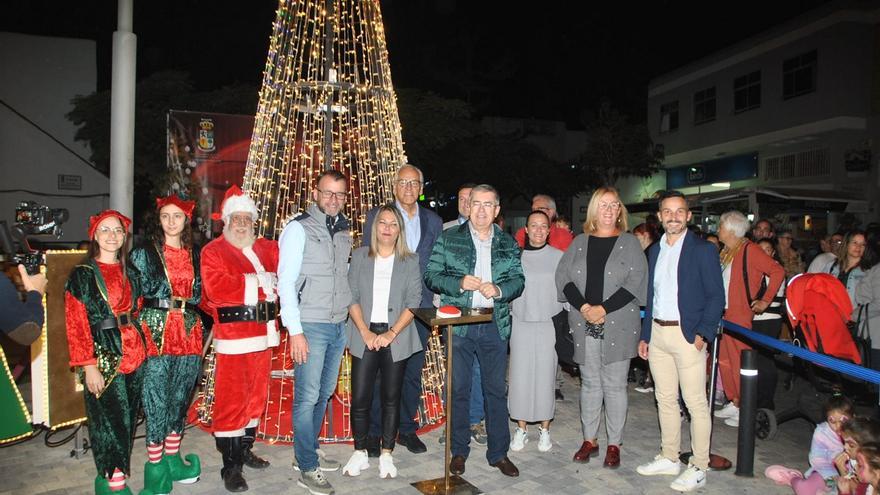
point(239, 239)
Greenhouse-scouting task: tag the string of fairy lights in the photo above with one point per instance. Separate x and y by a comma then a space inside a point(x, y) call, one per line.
point(312, 116)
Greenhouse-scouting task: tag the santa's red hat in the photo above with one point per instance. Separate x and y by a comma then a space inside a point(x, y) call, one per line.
point(186, 206)
point(235, 201)
point(94, 220)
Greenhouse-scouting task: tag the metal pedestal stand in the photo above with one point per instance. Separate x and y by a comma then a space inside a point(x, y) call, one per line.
point(449, 483)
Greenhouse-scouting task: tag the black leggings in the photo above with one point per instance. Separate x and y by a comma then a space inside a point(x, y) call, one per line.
point(363, 379)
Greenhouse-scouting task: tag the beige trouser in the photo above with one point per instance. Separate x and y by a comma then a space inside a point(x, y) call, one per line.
point(677, 363)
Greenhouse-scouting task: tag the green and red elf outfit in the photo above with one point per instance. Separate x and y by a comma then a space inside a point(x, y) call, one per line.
point(171, 288)
point(101, 303)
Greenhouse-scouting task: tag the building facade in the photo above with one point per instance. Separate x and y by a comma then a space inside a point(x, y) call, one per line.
point(781, 125)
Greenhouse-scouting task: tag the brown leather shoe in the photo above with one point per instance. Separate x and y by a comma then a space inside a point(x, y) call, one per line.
point(612, 457)
point(587, 449)
point(456, 465)
point(506, 467)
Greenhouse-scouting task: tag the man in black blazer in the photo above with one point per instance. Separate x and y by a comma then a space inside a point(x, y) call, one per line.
point(422, 227)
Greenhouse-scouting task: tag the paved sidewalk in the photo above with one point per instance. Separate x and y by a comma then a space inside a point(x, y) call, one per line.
point(33, 468)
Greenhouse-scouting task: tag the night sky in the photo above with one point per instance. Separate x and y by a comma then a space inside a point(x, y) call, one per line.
point(549, 60)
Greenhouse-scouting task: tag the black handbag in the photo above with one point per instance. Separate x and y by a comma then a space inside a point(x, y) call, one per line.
point(861, 335)
point(564, 338)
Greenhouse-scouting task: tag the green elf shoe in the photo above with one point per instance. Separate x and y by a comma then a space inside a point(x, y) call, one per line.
point(102, 487)
point(157, 478)
point(182, 472)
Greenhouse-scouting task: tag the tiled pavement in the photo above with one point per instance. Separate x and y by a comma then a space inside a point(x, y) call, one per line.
point(33, 468)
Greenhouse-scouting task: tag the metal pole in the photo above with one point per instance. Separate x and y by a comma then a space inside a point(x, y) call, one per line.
point(748, 402)
point(448, 406)
point(122, 99)
point(328, 65)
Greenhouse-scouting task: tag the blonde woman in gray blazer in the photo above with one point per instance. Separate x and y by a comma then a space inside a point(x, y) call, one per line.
point(385, 281)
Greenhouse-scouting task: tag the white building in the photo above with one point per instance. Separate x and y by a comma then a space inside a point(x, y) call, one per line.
point(783, 124)
point(39, 159)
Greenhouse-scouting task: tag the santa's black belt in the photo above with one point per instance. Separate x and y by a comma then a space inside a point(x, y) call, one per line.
point(173, 303)
point(118, 321)
point(261, 313)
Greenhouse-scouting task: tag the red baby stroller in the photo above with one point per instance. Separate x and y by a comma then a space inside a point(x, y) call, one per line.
point(819, 310)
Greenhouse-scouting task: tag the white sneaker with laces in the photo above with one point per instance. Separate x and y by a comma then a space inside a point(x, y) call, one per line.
point(691, 479)
point(734, 421)
point(660, 465)
point(544, 443)
point(728, 411)
point(387, 469)
point(358, 462)
point(520, 439)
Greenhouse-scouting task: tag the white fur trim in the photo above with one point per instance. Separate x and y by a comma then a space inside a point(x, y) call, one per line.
point(251, 294)
point(230, 434)
point(235, 204)
point(254, 422)
point(240, 346)
point(273, 338)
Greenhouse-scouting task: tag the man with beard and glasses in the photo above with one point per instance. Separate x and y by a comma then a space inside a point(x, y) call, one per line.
point(684, 305)
point(315, 295)
point(240, 293)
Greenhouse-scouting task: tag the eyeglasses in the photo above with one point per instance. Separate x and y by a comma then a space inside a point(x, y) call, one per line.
point(341, 196)
point(404, 183)
point(107, 230)
point(483, 204)
point(614, 205)
point(243, 220)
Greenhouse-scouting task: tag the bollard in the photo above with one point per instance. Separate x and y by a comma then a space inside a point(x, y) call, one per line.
point(748, 401)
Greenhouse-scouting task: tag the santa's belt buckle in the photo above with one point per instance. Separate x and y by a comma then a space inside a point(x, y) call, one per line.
point(178, 303)
point(264, 311)
point(123, 319)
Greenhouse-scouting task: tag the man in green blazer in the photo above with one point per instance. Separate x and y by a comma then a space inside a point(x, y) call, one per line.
point(477, 265)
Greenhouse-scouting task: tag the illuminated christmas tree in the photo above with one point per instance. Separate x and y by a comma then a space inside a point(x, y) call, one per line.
point(326, 103)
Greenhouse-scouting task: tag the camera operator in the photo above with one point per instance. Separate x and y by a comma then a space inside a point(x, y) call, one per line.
point(22, 322)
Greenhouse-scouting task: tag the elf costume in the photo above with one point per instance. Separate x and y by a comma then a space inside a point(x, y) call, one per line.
point(102, 330)
point(171, 288)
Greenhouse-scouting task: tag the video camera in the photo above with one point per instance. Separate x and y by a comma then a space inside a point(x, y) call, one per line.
point(31, 218)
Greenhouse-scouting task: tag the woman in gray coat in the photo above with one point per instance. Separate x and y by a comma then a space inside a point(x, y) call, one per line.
point(385, 282)
point(603, 276)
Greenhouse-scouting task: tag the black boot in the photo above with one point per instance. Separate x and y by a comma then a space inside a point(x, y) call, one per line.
point(231, 448)
point(251, 460)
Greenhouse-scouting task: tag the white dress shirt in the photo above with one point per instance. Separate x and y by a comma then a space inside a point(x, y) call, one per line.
point(666, 280)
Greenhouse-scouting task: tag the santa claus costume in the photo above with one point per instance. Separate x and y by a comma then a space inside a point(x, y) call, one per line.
point(107, 347)
point(240, 293)
point(167, 271)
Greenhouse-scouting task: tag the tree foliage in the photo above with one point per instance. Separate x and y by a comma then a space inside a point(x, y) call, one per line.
point(616, 148)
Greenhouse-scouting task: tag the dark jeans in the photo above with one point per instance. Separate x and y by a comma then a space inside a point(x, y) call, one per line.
point(483, 343)
point(364, 372)
point(767, 374)
point(411, 393)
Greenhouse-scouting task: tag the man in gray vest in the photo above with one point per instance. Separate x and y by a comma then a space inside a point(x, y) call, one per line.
point(313, 287)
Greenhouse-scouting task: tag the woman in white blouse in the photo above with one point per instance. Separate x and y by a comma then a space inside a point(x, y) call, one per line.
point(385, 282)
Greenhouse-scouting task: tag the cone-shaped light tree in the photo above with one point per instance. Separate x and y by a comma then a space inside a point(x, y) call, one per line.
point(326, 103)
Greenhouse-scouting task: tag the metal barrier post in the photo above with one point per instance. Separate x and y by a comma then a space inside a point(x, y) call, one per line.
point(748, 402)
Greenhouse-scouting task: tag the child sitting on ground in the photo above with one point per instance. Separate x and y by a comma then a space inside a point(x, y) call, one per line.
point(855, 433)
point(824, 448)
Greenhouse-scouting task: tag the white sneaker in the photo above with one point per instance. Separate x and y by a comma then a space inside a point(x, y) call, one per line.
point(691, 479)
point(544, 443)
point(520, 439)
point(728, 411)
point(660, 465)
point(386, 466)
point(734, 421)
point(358, 462)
